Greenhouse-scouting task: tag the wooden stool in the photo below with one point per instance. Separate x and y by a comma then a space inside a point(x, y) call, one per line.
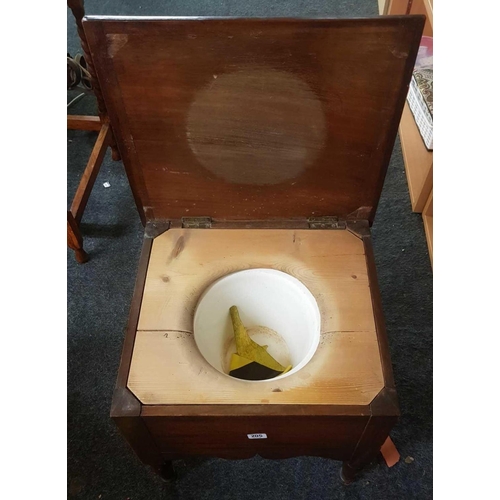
point(324, 409)
point(255, 143)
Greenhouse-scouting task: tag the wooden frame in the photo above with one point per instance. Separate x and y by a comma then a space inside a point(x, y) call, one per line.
point(353, 434)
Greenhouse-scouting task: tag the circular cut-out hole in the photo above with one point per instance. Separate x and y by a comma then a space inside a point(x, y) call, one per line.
point(276, 309)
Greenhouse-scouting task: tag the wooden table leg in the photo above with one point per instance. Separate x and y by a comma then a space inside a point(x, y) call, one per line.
point(75, 240)
point(384, 416)
point(367, 450)
point(126, 413)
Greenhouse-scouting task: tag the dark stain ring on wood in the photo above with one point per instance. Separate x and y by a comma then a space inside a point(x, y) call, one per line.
point(269, 123)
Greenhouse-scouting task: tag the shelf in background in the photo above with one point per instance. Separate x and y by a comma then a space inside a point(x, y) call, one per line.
point(417, 159)
point(423, 7)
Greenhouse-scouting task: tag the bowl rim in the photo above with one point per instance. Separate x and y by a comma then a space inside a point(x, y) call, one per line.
point(297, 282)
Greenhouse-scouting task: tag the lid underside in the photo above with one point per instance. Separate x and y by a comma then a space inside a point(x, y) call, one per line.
point(255, 118)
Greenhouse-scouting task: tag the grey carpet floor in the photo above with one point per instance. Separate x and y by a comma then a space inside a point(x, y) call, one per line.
point(100, 464)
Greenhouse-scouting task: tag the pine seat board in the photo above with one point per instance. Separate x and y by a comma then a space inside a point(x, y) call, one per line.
point(166, 366)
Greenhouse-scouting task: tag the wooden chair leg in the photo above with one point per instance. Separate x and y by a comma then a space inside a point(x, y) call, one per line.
point(90, 173)
point(83, 122)
point(75, 240)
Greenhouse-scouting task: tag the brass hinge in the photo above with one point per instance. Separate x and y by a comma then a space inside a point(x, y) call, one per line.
point(197, 222)
point(326, 222)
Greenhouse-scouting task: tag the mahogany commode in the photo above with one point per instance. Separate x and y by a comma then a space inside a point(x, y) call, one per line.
point(254, 143)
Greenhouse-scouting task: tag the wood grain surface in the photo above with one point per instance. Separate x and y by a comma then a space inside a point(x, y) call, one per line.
point(226, 437)
point(184, 262)
point(255, 118)
point(166, 366)
point(90, 173)
point(428, 217)
point(418, 161)
point(81, 122)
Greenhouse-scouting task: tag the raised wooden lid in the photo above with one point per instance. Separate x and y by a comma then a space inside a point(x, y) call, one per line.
point(255, 118)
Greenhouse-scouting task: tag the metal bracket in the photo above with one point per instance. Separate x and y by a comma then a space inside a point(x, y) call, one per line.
point(326, 222)
point(196, 222)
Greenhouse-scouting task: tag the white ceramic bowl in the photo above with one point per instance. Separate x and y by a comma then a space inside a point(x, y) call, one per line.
point(265, 298)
